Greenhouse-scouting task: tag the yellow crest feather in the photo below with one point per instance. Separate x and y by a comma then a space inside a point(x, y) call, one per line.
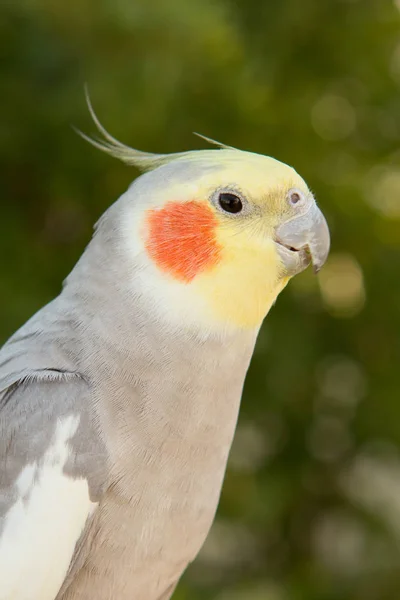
point(145, 161)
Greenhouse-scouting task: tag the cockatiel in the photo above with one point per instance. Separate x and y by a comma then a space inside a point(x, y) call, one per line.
point(119, 399)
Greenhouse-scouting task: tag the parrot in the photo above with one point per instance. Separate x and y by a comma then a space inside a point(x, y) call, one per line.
point(119, 399)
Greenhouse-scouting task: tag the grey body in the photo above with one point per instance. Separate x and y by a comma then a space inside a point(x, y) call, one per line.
point(156, 422)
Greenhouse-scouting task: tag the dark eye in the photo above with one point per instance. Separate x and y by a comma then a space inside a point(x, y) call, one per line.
point(230, 202)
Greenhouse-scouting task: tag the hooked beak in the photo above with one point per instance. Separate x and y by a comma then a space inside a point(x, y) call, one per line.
point(303, 239)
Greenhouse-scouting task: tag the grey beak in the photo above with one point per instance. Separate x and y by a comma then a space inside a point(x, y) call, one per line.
point(307, 232)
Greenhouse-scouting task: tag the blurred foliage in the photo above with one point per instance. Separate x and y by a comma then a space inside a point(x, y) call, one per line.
point(311, 503)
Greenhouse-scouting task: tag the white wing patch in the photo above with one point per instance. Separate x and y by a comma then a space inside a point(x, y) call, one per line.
point(43, 526)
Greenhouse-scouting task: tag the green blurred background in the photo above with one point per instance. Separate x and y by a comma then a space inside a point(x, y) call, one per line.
point(311, 503)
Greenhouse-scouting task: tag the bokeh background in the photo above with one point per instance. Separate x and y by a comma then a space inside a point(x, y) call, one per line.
point(310, 508)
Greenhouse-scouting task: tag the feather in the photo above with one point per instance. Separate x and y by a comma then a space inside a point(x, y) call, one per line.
point(144, 161)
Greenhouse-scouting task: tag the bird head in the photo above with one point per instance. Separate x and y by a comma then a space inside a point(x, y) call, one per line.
point(219, 232)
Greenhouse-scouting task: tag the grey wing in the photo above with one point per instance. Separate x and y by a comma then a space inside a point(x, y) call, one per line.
point(52, 473)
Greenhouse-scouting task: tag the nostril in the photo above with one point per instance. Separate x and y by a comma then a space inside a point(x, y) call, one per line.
point(294, 197)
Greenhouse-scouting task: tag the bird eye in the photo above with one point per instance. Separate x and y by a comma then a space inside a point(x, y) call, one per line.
point(230, 202)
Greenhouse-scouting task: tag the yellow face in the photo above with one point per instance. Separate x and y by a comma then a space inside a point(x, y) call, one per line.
point(218, 235)
point(242, 287)
point(246, 281)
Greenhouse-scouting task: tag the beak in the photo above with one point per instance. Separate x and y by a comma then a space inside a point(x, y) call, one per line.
point(302, 239)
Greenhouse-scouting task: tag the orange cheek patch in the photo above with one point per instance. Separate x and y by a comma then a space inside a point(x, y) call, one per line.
point(181, 239)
